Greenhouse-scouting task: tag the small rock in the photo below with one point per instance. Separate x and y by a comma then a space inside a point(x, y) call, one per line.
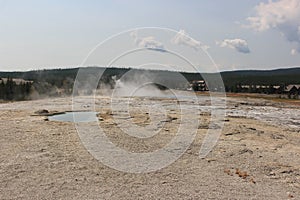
point(210, 160)
point(272, 174)
point(241, 174)
point(288, 171)
point(203, 126)
point(290, 195)
point(42, 112)
point(169, 119)
point(246, 151)
point(277, 137)
point(252, 181)
point(228, 171)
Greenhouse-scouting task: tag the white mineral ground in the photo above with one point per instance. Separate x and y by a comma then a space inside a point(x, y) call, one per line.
point(256, 157)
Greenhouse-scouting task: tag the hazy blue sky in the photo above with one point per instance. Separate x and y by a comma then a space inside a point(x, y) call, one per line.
point(60, 33)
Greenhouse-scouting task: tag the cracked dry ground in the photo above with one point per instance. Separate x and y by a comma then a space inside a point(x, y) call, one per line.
point(46, 160)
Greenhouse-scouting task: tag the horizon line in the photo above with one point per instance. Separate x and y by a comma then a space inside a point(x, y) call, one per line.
point(150, 69)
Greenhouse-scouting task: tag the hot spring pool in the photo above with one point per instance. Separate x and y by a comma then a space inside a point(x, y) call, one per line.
point(75, 117)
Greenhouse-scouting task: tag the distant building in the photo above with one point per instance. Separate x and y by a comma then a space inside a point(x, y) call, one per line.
point(292, 89)
point(268, 89)
point(198, 85)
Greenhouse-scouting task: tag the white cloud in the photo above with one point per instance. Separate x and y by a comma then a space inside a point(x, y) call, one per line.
point(283, 15)
point(237, 44)
point(293, 52)
point(182, 38)
point(147, 42)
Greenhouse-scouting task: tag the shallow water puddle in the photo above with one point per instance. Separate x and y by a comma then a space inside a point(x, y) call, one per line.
point(75, 117)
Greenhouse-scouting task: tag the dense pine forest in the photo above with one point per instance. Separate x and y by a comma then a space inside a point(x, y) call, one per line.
point(10, 90)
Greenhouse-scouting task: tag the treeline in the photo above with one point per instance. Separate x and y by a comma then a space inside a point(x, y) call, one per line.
point(276, 77)
point(10, 90)
point(58, 82)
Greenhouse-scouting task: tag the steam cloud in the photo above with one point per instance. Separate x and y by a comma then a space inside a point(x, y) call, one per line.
point(237, 44)
point(136, 85)
point(283, 15)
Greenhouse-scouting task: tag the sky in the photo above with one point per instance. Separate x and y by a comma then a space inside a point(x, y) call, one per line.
point(248, 34)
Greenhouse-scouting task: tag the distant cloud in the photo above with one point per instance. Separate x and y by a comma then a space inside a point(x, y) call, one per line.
point(293, 52)
point(147, 42)
point(283, 15)
point(182, 38)
point(237, 44)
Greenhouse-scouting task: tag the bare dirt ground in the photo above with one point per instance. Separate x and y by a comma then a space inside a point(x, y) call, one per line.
point(254, 159)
